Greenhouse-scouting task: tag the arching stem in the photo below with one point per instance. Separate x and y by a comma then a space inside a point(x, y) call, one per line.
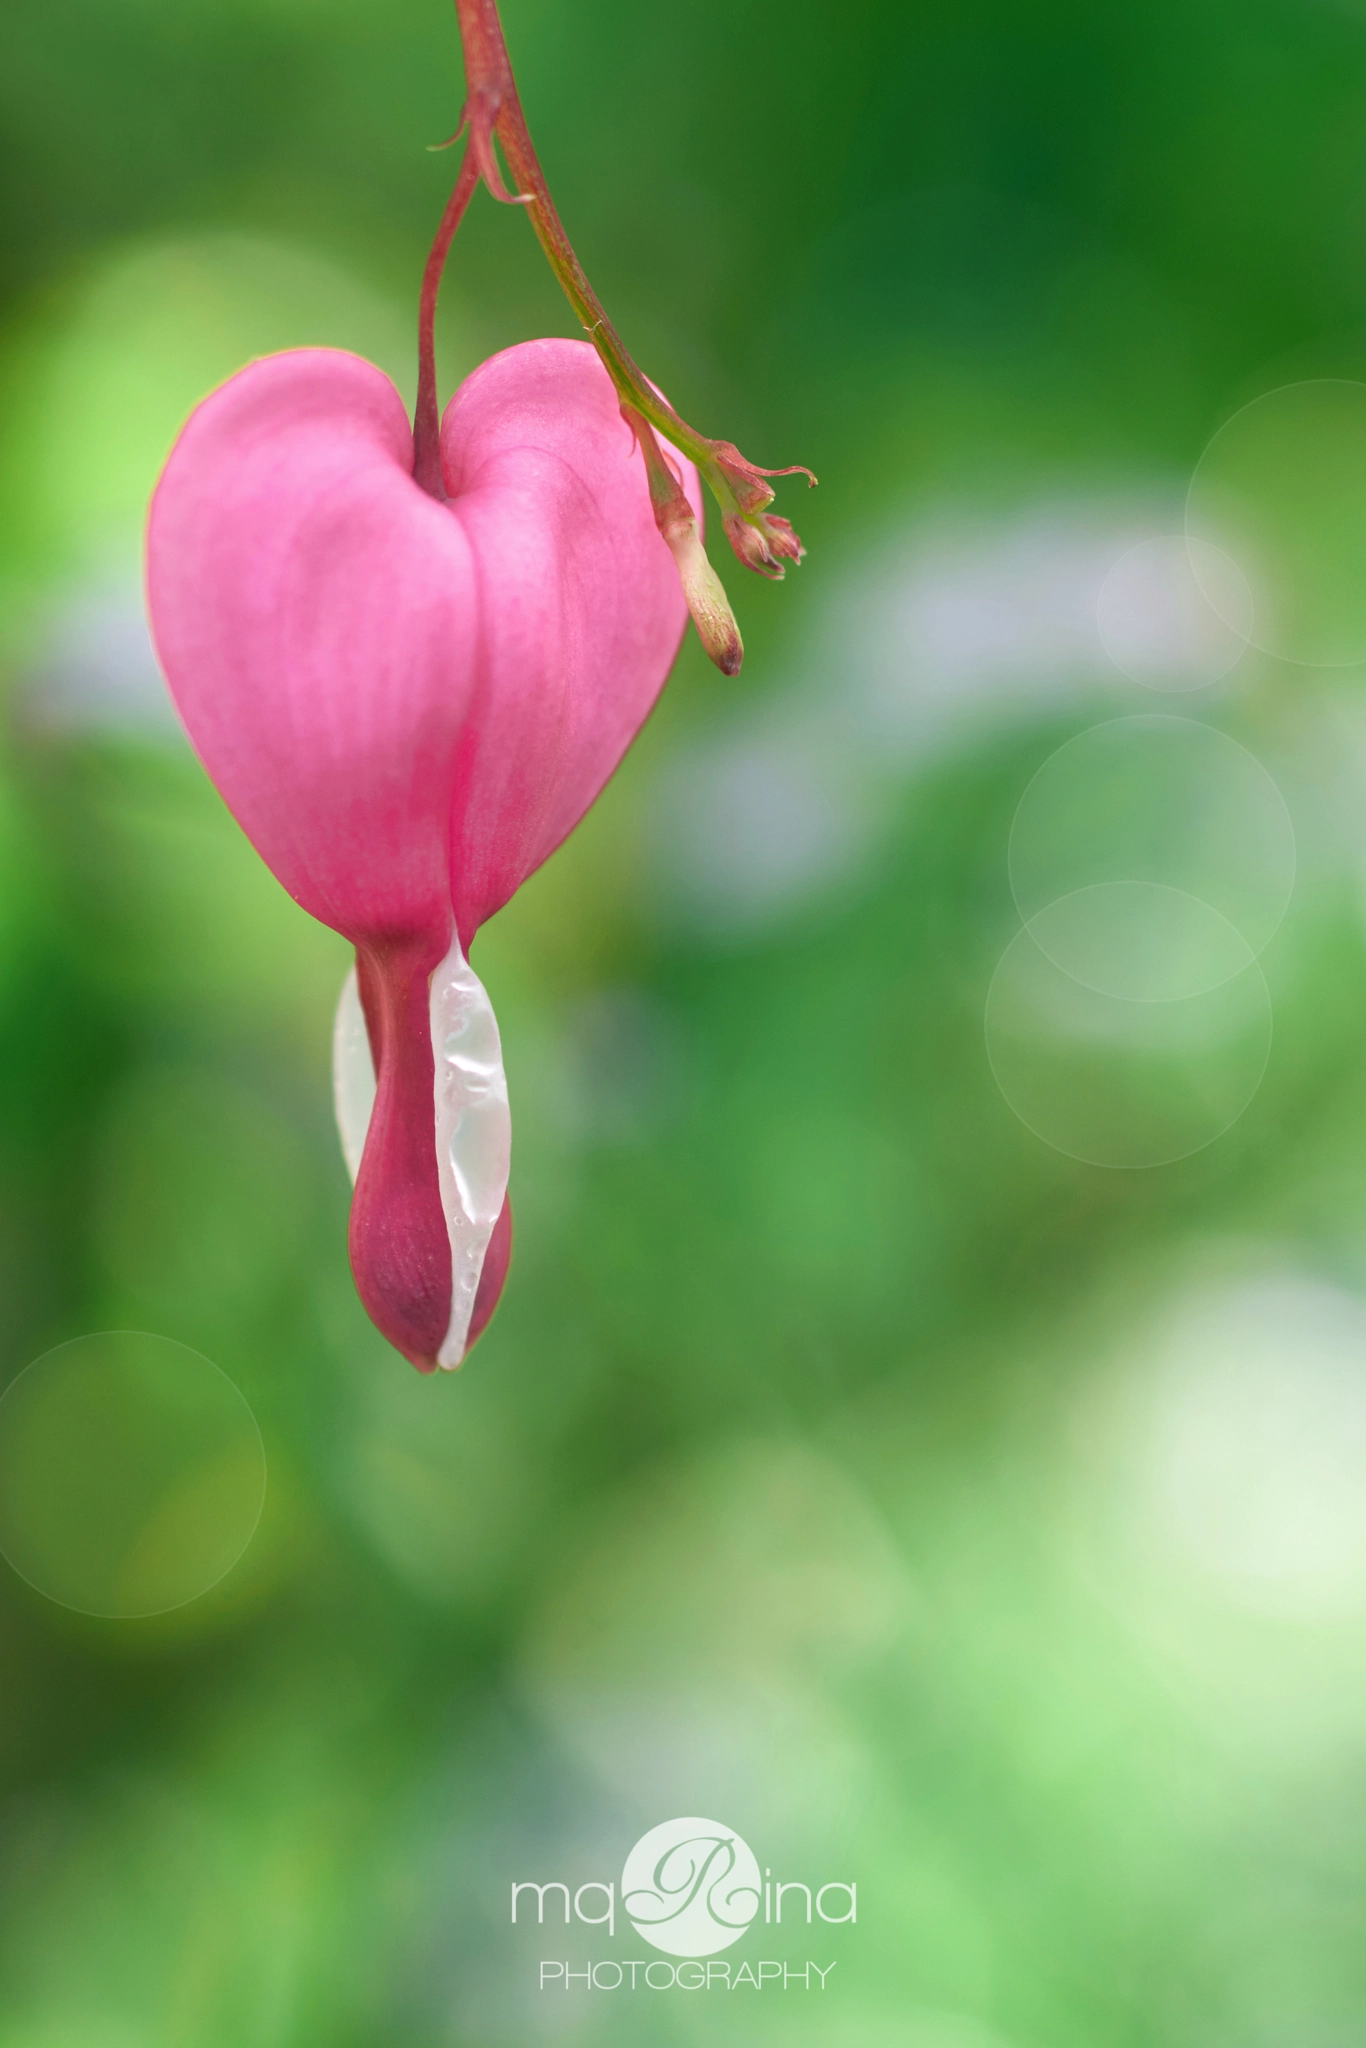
point(493, 107)
point(427, 417)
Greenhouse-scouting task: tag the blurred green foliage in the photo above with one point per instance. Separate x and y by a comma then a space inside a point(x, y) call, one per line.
point(789, 1483)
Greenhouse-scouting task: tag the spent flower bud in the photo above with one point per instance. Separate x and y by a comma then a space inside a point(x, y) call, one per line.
point(677, 523)
point(763, 541)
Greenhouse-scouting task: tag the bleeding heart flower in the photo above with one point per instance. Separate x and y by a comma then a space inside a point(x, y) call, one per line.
point(410, 659)
point(407, 703)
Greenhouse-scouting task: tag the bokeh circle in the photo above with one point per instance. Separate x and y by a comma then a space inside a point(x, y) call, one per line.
point(1172, 805)
point(1122, 1082)
point(1140, 941)
point(1281, 487)
point(132, 1474)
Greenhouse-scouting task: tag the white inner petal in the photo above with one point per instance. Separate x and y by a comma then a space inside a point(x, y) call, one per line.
point(473, 1131)
point(473, 1122)
point(353, 1074)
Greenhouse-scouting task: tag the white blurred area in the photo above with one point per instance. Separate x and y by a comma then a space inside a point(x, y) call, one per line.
point(1215, 1505)
point(1223, 1477)
point(94, 669)
point(1246, 1447)
point(1167, 627)
point(959, 628)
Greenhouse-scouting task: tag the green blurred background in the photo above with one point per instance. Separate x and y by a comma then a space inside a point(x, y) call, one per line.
point(845, 1462)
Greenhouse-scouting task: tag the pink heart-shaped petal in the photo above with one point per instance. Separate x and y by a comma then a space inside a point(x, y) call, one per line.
point(407, 704)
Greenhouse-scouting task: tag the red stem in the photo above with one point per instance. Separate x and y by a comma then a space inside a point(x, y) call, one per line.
point(492, 108)
point(427, 469)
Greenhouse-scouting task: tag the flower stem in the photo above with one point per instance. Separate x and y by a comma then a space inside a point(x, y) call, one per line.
point(493, 96)
point(494, 107)
point(427, 418)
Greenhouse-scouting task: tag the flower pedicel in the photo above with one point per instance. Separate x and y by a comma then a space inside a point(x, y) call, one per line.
point(410, 658)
